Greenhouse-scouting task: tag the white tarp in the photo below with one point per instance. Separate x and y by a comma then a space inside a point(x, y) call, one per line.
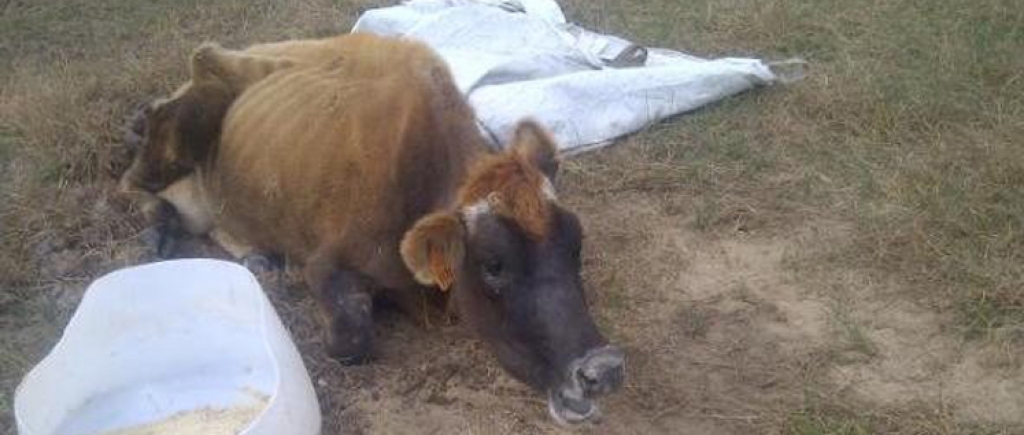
point(520, 58)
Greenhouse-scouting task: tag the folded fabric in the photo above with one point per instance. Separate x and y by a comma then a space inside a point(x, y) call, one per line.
point(520, 58)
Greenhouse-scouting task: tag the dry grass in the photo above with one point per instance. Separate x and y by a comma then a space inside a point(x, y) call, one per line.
point(910, 125)
point(908, 129)
point(822, 415)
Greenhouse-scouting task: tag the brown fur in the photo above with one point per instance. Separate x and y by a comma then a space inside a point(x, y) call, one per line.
point(184, 126)
point(171, 135)
point(513, 189)
point(512, 184)
point(239, 69)
point(355, 154)
point(317, 87)
point(359, 160)
point(358, 152)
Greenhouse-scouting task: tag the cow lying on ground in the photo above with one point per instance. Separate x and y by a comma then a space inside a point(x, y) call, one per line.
point(183, 126)
point(369, 169)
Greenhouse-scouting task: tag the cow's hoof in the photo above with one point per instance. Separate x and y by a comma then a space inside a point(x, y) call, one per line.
point(350, 351)
point(165, 248)
point(351, 340)
point(257, 263)
point(150, 238)
point(158, 242)
point(352, 360)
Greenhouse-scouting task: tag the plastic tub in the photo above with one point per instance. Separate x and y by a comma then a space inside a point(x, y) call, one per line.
point(167, 340)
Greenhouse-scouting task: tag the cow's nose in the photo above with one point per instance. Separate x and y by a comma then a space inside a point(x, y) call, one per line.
point(601, 370)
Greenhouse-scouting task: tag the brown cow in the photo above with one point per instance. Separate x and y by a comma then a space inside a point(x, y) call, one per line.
point(179, 130)
point(375, 176)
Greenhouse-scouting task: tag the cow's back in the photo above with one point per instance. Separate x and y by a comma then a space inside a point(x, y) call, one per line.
point(347, 155)
point(369, 49)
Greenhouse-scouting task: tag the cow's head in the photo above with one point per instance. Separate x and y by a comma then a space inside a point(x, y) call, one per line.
point(175, 134)
point(510, 256)
point(170, 136)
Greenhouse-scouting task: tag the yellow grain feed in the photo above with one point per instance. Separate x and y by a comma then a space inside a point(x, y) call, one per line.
point(202, 421)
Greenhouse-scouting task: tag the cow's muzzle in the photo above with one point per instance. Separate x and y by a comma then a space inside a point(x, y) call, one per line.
point(600, 371)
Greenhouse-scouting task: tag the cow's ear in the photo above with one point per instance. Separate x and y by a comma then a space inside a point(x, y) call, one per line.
point(535, 145)
point(205, 64)
point(433, 248)
point(234, 69)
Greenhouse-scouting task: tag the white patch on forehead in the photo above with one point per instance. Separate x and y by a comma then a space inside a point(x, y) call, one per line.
point(474, 211)
point(484, 206)
point(548, 189)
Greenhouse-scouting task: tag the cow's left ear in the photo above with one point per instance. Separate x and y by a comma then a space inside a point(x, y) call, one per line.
point(234, 69)
point(535, 145)
point(433, 248)
point(206, 65)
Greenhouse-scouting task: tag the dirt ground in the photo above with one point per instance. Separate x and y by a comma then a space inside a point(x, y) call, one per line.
point(764, 262)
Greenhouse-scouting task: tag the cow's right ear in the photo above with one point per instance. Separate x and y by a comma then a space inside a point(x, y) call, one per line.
point(433, 248)
point(534, 144)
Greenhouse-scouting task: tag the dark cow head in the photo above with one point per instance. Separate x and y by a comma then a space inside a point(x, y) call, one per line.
point(174, 135)
point(171, 136)
point(510, 255)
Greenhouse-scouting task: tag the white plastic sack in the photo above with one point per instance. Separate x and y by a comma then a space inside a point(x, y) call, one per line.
point(520, 58)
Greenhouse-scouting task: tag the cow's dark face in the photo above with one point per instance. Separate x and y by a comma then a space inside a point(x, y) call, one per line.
point(511, 259)
point(158, 160)
point(171, 136)
point(525, 298)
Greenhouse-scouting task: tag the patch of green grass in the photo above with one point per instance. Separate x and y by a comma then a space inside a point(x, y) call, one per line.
point(814, 423)
point(909, 125)
point(910, 420)
point(947, 205)
point(7, 144)
point(825, 414)
point(694, 322)
point(614, 298)
point(985, 316)
point(706, 213)
point(62, 28)
point(854, 344)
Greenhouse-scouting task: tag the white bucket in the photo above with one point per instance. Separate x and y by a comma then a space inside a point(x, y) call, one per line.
point(163, 340)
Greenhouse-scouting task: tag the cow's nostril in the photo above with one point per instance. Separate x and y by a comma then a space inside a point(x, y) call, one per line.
point(601, 371)
point(588, 378)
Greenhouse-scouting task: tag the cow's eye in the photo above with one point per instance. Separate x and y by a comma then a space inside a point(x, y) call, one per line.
point(493, 268)
point(494, 277)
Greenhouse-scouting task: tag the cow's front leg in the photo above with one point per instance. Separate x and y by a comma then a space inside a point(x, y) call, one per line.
point(165, 227)
point(345, 308)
